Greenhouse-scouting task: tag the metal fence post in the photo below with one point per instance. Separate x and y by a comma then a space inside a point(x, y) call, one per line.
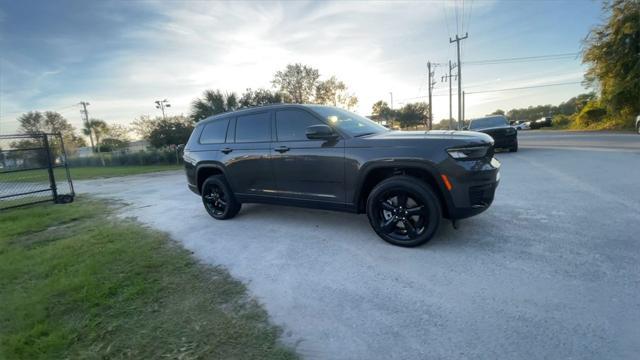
point(52, 178)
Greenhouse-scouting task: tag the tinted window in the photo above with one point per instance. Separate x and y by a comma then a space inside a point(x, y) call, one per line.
point(488, 122)
point(352, 124)
point(253, 128)
point(214, 132)
point(291, 125)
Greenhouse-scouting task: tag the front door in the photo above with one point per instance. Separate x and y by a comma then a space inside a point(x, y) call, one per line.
point(306, 169)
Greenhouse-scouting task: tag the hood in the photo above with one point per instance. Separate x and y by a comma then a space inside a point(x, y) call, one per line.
point(494, 128)
point(471, 136)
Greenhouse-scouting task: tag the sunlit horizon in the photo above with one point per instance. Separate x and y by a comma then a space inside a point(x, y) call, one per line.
point(126, 56)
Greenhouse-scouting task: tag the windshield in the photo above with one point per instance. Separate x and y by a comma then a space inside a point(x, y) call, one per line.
point(350, 123)
point(488, 122)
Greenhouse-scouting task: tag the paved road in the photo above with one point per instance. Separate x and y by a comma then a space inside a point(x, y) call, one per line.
point(579, 139)
point(550, 271)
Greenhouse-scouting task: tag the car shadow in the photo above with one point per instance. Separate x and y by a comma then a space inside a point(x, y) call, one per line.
point(356, 228)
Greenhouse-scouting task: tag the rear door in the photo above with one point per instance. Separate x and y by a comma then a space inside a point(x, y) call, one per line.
point(306, 169)
point(247, 157)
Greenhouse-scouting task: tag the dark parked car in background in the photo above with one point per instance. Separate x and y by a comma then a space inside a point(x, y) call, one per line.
point(328, 158)
point(497, 126)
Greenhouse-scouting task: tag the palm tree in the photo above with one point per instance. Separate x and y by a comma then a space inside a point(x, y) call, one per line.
point(212, 103)
point(97, 128)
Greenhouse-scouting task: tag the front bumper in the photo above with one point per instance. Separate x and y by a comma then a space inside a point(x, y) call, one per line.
point(194, 189)
point(503, 142)
point(474, 184)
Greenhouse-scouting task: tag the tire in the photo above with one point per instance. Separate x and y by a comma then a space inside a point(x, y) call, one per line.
point(218, 199)
point(514, 148)
point(388, 211)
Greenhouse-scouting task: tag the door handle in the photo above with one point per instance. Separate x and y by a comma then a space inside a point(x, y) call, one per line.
point(281, 149)
point(227, 150)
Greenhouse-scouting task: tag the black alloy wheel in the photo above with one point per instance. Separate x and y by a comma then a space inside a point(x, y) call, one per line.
point(404, 211)
point(218, 199)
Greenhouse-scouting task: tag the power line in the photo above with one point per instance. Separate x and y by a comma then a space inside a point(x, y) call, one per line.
point(446, 18)
point(457, 26)
point(524, 87)
point(522, 59)
point(469, 18)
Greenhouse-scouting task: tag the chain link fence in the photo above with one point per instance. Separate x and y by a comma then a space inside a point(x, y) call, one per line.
point(33, 169)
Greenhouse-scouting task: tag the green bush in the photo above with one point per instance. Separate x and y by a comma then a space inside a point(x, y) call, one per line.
point(159, 157)
point(591, 114)
point(562, 121)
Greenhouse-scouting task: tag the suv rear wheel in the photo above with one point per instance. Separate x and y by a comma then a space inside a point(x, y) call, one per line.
point(218, 199)
point(404, 211)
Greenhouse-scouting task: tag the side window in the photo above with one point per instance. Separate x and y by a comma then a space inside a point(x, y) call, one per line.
point(291, 125)
point(214, 132)
point(253, 128)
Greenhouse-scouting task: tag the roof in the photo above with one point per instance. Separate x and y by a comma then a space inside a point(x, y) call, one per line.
point(259, 107)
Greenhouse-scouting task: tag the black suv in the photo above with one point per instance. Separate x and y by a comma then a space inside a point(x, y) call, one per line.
point(328, 158)
point(498, 127)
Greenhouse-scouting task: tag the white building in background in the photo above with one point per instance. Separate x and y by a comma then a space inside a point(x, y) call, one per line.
point(138, 145)
point(84, 151)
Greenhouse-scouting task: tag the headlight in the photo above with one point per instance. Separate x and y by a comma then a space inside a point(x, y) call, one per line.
point(468, 153)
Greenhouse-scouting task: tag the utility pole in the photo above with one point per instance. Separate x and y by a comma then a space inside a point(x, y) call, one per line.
point(391, 94)
point(161, 104)
point(457, 41)
point(463, 105)
point(432, 82)
point(86, 123)
point(449, 78)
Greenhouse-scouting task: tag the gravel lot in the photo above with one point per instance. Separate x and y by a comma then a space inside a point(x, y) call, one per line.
point(550, 271)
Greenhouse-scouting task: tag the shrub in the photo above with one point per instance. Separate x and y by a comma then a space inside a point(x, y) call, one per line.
point(591, 114)
point(561, 121)
point(156, 157)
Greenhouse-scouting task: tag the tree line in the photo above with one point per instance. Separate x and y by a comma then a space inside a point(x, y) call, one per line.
point(296, 84)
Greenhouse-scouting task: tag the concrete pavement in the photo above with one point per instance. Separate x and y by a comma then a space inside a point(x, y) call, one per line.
point(550, 271)
point(579, 139)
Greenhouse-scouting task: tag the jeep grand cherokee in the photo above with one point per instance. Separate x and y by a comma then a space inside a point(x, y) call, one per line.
point(328, 158)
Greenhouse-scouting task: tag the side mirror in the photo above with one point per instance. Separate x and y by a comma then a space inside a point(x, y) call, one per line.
point(465, 128)
point(320, 132)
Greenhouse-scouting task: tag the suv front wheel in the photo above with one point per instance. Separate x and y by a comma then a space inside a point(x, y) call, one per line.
point(404, 211)
point(218, 199)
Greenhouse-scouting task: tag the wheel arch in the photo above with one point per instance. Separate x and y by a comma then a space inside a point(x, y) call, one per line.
point(205, 170)
point(374, 173)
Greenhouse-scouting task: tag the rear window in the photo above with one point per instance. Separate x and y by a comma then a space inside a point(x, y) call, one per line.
point(214, 132)
point(488, 122)
point(253, 128)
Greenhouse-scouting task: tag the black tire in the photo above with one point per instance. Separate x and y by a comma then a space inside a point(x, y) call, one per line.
point(514, 148)
point(218, 199)
point(390, 213)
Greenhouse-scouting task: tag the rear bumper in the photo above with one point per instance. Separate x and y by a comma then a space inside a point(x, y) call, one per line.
point(473, 188)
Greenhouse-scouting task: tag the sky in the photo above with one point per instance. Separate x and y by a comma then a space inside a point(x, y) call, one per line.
point(121, 56)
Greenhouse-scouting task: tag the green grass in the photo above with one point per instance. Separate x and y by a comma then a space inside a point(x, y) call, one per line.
point(79, 283)
point(84, 173)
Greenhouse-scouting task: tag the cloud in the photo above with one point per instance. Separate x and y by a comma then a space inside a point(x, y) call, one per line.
point(123, 56)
